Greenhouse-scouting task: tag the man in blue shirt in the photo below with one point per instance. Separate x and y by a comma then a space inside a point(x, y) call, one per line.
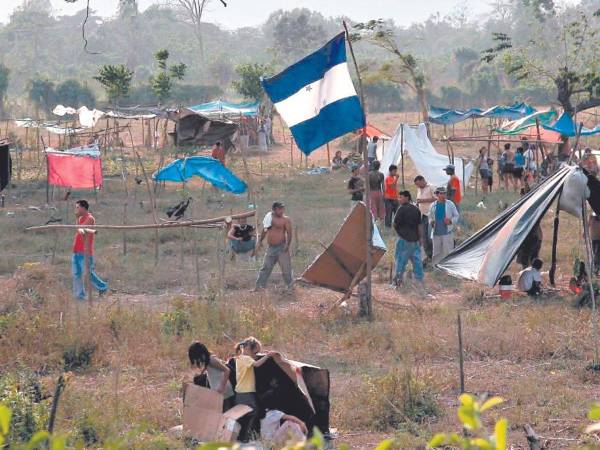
point(443, 215)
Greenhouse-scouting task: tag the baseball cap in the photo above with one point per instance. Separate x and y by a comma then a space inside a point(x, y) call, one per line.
point(449, 167)
point(440, 190)
point(278, 205)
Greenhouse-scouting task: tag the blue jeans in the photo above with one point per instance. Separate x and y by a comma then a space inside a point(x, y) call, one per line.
point(77, 269)
point(406, 251)
point(242, 246)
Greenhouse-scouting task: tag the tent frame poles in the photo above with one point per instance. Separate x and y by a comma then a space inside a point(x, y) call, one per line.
point(402, 153)
point(556, 223)
point(590, 265)
point(369, 225)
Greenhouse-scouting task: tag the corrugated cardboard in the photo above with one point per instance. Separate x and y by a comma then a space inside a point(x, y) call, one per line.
point(203, 418)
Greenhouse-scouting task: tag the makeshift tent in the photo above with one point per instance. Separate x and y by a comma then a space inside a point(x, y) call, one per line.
point(565, 125)
point(60, 110)
point(486, 255)
point(518, 126)
point(222, 108)
point(371, 131)
point(5, 165)
point(423, 154)
point(509, 112)
point(193, 128)
point(343, 261)
point(207, 168)
point(78, 168)
point(546, 136)
point(443, 116)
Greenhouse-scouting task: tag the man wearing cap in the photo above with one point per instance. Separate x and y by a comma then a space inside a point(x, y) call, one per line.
point(277, 228)
point(453, 188)
point(407, 223)
point(443, 215)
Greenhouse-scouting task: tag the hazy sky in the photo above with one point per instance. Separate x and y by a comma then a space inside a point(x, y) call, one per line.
point(241, 13)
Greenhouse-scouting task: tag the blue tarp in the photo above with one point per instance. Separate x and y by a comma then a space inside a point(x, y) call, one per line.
point(249, 109)
point(204, 167)
point(566, 126)
point(443, 116)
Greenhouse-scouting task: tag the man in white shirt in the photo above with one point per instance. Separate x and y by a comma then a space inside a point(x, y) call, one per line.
point(425, 197)
point(372, 150)
point(530, 279)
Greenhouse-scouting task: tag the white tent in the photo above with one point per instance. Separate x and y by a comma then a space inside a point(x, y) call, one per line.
point(423, 154)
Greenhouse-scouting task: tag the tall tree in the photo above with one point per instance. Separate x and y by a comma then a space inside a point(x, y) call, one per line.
point(403, 70)
point(41, 93)
point(73, 93)
point(570, 63)
point(249, 85)
point(116, 81)
point(162, 82)
point(4, 78)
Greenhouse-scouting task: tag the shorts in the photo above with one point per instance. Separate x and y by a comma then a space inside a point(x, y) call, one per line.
point(518, 172)
point(485, 174)
point(508, 168)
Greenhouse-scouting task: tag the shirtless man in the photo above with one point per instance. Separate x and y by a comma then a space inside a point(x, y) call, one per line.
point(277, 227)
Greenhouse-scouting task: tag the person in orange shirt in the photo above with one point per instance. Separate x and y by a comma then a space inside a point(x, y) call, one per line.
point(390, 195)
point(453, 188)
point(218, 152)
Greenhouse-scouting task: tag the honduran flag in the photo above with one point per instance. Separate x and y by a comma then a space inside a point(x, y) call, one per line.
point(316, 97)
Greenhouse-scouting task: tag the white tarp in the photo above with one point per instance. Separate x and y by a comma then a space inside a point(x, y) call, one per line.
point(60, 110)
point(423, 154)
point(88, 118)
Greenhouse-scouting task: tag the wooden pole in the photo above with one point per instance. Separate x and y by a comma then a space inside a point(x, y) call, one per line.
point(402, 154)
point(590, 265)
point(460, 354)
point(291, 152)
point(328, 155)
point(368, 215)
point(86, 257)
point(153, 205)
point(555, 240)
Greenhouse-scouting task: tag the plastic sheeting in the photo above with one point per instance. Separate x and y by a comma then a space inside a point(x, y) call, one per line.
point(566, 126)
point(444, 116)
point(194, 128)
point(516, 127)
point(344, 258)
point(249, 109)
point(486, 255)
point(74, 169)
point(424, 156)
point(207, 168)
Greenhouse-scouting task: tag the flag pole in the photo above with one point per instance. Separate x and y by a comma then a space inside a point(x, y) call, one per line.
point(367, 307)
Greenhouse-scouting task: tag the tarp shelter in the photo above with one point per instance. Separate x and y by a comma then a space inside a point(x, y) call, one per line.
point(443, 116)
point(371, 131)
point(486, 255)
point(77, 168)
point(344, 259)
point(520, 125)
point(205, 167)
point(222, 108)
point(5, 165)
point(565, 125)
point(423, 154)
point(193, 128)
point(512, 112)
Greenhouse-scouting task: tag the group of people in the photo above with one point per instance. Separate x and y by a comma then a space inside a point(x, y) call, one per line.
point(516, 168)
point(236, 380)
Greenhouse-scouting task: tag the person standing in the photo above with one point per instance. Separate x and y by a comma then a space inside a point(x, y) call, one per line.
point(218, 152)
point(594, 228)
point(372, 150)
point(277, 228)
point(508, 167)
point(83, 245)
point(356, 186)
point(376, 181)
point(519, 169)
point(390, 196)
point(425, 197)
point(485, 171)
point(443, 215)
point(407, 224)
point(453, 188)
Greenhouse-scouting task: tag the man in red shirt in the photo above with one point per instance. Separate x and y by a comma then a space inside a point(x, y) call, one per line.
point(83, 245)
point(453, 188)
point(218, 152)
point(390, 194)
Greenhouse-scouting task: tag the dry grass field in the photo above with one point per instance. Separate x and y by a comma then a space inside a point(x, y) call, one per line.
point(396, 376)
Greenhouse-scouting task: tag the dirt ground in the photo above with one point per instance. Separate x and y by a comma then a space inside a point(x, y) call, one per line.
point(533, 354)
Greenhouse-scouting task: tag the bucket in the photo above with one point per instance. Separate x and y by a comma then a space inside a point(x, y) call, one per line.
point(506, 287)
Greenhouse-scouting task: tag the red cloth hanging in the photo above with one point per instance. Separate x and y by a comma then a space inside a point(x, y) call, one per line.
point(74, 171)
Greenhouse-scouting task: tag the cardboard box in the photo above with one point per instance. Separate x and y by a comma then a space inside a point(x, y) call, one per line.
point(203, 418)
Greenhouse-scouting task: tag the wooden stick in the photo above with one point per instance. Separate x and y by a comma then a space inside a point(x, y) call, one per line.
point(590, 266)
point(461, 354)
point(328, 155)
point(60, 384)
point(184, 223)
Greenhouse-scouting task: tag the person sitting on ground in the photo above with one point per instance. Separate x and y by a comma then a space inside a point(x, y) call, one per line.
point(530, 279)
point(337, 161)
point(278, 429)
point(356, 186)
point(242, 237)
point(207, 367)
point(245, 389)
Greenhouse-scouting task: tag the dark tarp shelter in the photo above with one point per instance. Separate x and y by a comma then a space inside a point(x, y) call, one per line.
point(486, 255)
point(5, 165)
point(343, 261)
point(193, 128)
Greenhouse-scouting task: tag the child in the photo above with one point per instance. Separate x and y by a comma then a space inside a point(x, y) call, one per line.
point(245, 389)
point(278, 429)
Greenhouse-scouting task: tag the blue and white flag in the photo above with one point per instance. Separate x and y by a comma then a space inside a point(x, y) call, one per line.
point(316, 97)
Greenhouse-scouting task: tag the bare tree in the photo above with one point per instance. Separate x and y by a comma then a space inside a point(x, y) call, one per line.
point(191, 12)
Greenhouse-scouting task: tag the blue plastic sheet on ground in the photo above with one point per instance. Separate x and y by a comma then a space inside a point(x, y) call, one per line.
point(566, 126)
point(249, 109)
point(442, 116)
point(207, 168)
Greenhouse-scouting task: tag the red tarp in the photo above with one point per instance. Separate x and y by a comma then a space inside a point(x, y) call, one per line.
point(371, 131)
point(545, 135)
point(74, 171)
